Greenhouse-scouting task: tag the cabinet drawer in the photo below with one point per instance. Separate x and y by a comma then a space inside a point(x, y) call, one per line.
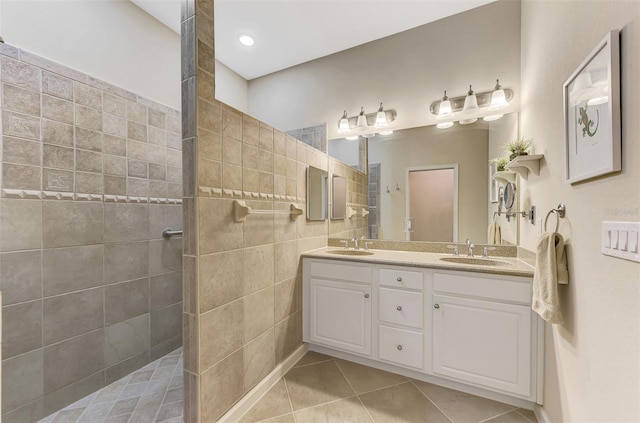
point(401, 278)
point(401, 346)
point(345, 272)
point(401, 307)
point(517, 290)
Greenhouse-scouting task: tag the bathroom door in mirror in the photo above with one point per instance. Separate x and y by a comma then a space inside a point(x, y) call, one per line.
point(338, 197)
point(432, 203)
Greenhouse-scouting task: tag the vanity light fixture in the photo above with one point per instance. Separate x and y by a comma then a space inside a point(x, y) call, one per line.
point(246, 40)
point(364, 124)
point(469, 108)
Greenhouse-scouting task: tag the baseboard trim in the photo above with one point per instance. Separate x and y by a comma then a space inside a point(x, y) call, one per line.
point(253, 396)
point(541, 414)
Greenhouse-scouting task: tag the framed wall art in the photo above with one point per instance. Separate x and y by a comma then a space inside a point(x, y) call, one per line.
point(592, 113)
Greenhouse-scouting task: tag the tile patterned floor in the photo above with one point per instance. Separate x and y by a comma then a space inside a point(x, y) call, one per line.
point(322, 389)
point(151, 394)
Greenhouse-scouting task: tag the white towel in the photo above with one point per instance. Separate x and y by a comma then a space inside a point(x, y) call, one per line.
point(494, 233)
point(550, 270)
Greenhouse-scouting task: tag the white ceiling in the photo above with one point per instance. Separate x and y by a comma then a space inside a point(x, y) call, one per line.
point(290, 32)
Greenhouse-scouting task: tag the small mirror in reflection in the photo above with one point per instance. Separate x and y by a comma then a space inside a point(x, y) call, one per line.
point(316, 193)
point(338, 197)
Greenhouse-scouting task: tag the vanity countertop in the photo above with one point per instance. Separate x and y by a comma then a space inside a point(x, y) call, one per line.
point(513, 266)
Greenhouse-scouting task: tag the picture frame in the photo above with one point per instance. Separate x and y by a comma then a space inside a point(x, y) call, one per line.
point(592, 114)
point(493, 184)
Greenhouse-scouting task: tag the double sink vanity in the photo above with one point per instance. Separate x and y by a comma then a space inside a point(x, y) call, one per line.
point(460, 322)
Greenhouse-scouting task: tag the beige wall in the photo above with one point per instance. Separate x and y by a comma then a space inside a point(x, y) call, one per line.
point(112, 40)
point(242, 280)
point(406, 71)
point(592, 361)
point(466, 146)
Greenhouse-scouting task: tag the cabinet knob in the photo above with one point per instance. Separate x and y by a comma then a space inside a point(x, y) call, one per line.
point(399, 308)
point(399, 278)
point(366, 295)
point(399, 347)
point(436, 306)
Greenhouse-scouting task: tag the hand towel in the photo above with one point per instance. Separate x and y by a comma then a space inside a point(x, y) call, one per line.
point(494, 233)
point(551, 269)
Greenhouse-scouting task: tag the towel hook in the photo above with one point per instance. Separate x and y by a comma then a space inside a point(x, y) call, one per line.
point(559, 212)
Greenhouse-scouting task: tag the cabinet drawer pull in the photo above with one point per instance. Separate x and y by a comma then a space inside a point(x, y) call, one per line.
point(366, 295)
point(399, 308)
point(399, 347)
point(399, 278)
point(436, 306)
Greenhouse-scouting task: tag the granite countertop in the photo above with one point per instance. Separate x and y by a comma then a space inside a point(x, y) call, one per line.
point(512, 266)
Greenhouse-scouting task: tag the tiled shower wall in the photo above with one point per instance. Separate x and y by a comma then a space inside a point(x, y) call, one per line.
point(242, 279)
point(91, 175)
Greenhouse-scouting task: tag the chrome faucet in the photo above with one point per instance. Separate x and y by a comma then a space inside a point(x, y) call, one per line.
point(470, 247)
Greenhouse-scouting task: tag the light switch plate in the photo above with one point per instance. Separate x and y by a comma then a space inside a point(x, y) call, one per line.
point(620, 239)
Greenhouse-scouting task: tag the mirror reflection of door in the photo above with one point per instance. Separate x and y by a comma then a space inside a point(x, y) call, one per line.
point(432, 203)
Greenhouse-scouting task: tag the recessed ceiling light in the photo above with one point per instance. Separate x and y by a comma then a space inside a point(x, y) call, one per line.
point(246, 40)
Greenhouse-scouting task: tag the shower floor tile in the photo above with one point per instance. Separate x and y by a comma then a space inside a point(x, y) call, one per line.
point(152, 394)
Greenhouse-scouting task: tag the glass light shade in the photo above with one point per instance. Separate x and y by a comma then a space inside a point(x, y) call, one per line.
point(343, 126)
point(362, 121)
point(468, 121)
point(371, 135)
point(445, 112)
point(352, 138)
point(381, 118)
point(470, 103)
point(498, 100)
point(491, 118)
point(385, 132)
point(444, 125)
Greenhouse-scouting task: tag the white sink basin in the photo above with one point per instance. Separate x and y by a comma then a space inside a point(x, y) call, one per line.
point(351, 252)
point(476, 261)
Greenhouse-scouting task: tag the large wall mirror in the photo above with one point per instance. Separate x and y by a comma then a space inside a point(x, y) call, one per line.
point(429, 184)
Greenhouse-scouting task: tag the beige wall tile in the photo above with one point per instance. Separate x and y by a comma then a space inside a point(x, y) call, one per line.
point(114, 105)
point(88, 139)
point(137, 187)
point(279, 143)
point(72, 269)
point(115, 165)
point(231, 177)
point(57, 85)
point(20, 125)
point(114, 145)
point(266, 183)
point(20, 224)
point(173, 140)
point(114, 125)
point(20, 74)
point(57, 180)
point(231, 151)
point(137, 169)
point(209, 145)
point(57, 157)
point(123, 301)
point(66, 316)
point(221, 386)
point(165, 290)
point(259, 359)
point(251, 131)
point(174, 157)
point(156, 136)
point(286, 336)
point(137, 150)
point(166, 324)
point(114, 185)
point(209, 173)
point(126, 261)
point(25, 375)
point(21, 276)
point(258, 313)
point(279, 165)
point(87, 96)
point(88, 118)
point(266, 161)
point(285, 299)
point(250, 157)
point(57, 133)
point(137, 131)
point(22, 328)
point(21, 177)
point(219, 279)
point(217, 230)
point(20, 100)
point(250, 180)
point(126, 339)
point(209, 116)
point(90, 183)
point(258, 268)
point(156, 118)
point(266, 137)
point(136, 112)
point(221, 333)
point(231, 123)
point(158, 189)
point(126, 222)
point(286, 260)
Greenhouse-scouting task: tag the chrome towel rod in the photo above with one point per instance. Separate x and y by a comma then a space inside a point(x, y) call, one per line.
point(168, 233)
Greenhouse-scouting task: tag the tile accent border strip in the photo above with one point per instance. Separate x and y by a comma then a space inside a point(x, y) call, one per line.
point(51, 195)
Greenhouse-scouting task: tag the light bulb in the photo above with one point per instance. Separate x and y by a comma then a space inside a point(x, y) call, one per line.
point(381, 118)
point(470, 103)
point(498, 98)
point(343, 125)
point(444, 112)
point(468, 121)
point(362, 121)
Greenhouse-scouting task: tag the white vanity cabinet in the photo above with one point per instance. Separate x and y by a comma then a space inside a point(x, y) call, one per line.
point(482, 331)
point(469, 331)
point(339, 306)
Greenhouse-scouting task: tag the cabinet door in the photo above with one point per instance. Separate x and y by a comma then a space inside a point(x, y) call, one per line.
point(483, 342)
point(340, 315)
